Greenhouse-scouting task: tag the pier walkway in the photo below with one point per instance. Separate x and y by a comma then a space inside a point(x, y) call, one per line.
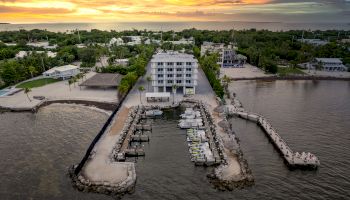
point(293, 159)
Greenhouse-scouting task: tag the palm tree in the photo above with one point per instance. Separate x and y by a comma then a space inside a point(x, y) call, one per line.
point(149, 79)
point(141, 89)
point(26, 91)
point(32, 71)
point(70, 82)
point(226, 80)
point(74, 80)
point(122, 90)
point(174, 92)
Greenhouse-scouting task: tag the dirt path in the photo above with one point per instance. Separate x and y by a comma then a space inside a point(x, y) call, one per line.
point(119, 124)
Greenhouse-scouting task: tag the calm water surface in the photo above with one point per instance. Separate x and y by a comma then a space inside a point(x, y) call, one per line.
point(311, 116)
point(37, 149)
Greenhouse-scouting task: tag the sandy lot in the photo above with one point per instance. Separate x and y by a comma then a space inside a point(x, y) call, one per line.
point(60, 91)
point(249, 71)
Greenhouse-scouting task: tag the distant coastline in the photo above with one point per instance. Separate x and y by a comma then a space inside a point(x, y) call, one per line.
point(178, 26)
point(4, 23)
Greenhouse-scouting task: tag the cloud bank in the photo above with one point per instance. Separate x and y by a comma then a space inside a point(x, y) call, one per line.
point(36, 11)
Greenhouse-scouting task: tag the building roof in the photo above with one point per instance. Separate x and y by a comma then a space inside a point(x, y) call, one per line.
point(103, 80)
point(157, 94)
point(61, 69)
point(329, 60)
point(173, 56)
point(22, 54)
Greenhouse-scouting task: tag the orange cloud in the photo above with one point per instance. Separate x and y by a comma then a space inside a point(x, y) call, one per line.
point(147, 10)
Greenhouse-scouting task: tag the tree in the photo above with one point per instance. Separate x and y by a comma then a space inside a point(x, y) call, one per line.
point(74, 79)
point(123, 89)
point(141, 89)
point(226, 80)
point(174, 92)
point(32, 70)
point(26, 91)
point(70, 82)
point(149, 79)
point(88, 56)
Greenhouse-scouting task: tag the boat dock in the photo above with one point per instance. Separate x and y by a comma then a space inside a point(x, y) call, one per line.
point(210, 134)
point(293, 159)
point(200, 138)
point(135, 132)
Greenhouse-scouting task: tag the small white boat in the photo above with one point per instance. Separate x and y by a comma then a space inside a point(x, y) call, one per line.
point(151, 113)
point(190, 114)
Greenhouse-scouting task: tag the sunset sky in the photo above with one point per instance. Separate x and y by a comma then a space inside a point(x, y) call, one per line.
point(41, 11)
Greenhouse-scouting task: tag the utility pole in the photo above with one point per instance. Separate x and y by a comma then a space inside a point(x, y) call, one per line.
point(161, 35)
point(302, 37)
point(79, 36)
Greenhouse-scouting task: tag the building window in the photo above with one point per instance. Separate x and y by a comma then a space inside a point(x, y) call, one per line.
point(178, 75)
point(170, 81)
point(178, 81)
point(170, 69)
point(179, 63)
point(160, 81)
point(188, 69)
point(170, 75)
point(189, 63)
point(179, 70)
point(188, 75)
point(160, 69)
point(160, 75)
point(188, 81)
point(160, 64)
point(170, 63)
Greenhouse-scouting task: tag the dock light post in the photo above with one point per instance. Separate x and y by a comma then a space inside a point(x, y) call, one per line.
point(141, 89)
point(174, 92)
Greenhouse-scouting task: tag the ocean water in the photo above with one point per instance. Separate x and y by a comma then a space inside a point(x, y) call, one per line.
point(37, 149)
point(177, 26)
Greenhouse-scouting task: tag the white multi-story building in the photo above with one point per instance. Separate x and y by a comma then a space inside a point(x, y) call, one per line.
point(174, 68)
point(227, 54)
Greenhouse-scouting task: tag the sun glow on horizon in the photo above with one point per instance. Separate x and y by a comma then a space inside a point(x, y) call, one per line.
point(38, 11)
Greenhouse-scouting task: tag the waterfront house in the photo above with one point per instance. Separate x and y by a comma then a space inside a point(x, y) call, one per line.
point(328, 64)
point(116, 42)
point(184, 41)
point(174, 68)
point(133, 40)
point(44, 45)
point(227, 54)
point(22, 54)
point(314, 42)
point(62, 72)
point(123, 62)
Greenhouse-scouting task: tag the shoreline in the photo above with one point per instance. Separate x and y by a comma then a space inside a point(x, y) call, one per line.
point(273, 78)
point(108, 106)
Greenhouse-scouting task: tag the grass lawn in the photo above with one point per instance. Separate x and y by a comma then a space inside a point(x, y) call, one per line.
point(284, 71)
point(37, 83)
